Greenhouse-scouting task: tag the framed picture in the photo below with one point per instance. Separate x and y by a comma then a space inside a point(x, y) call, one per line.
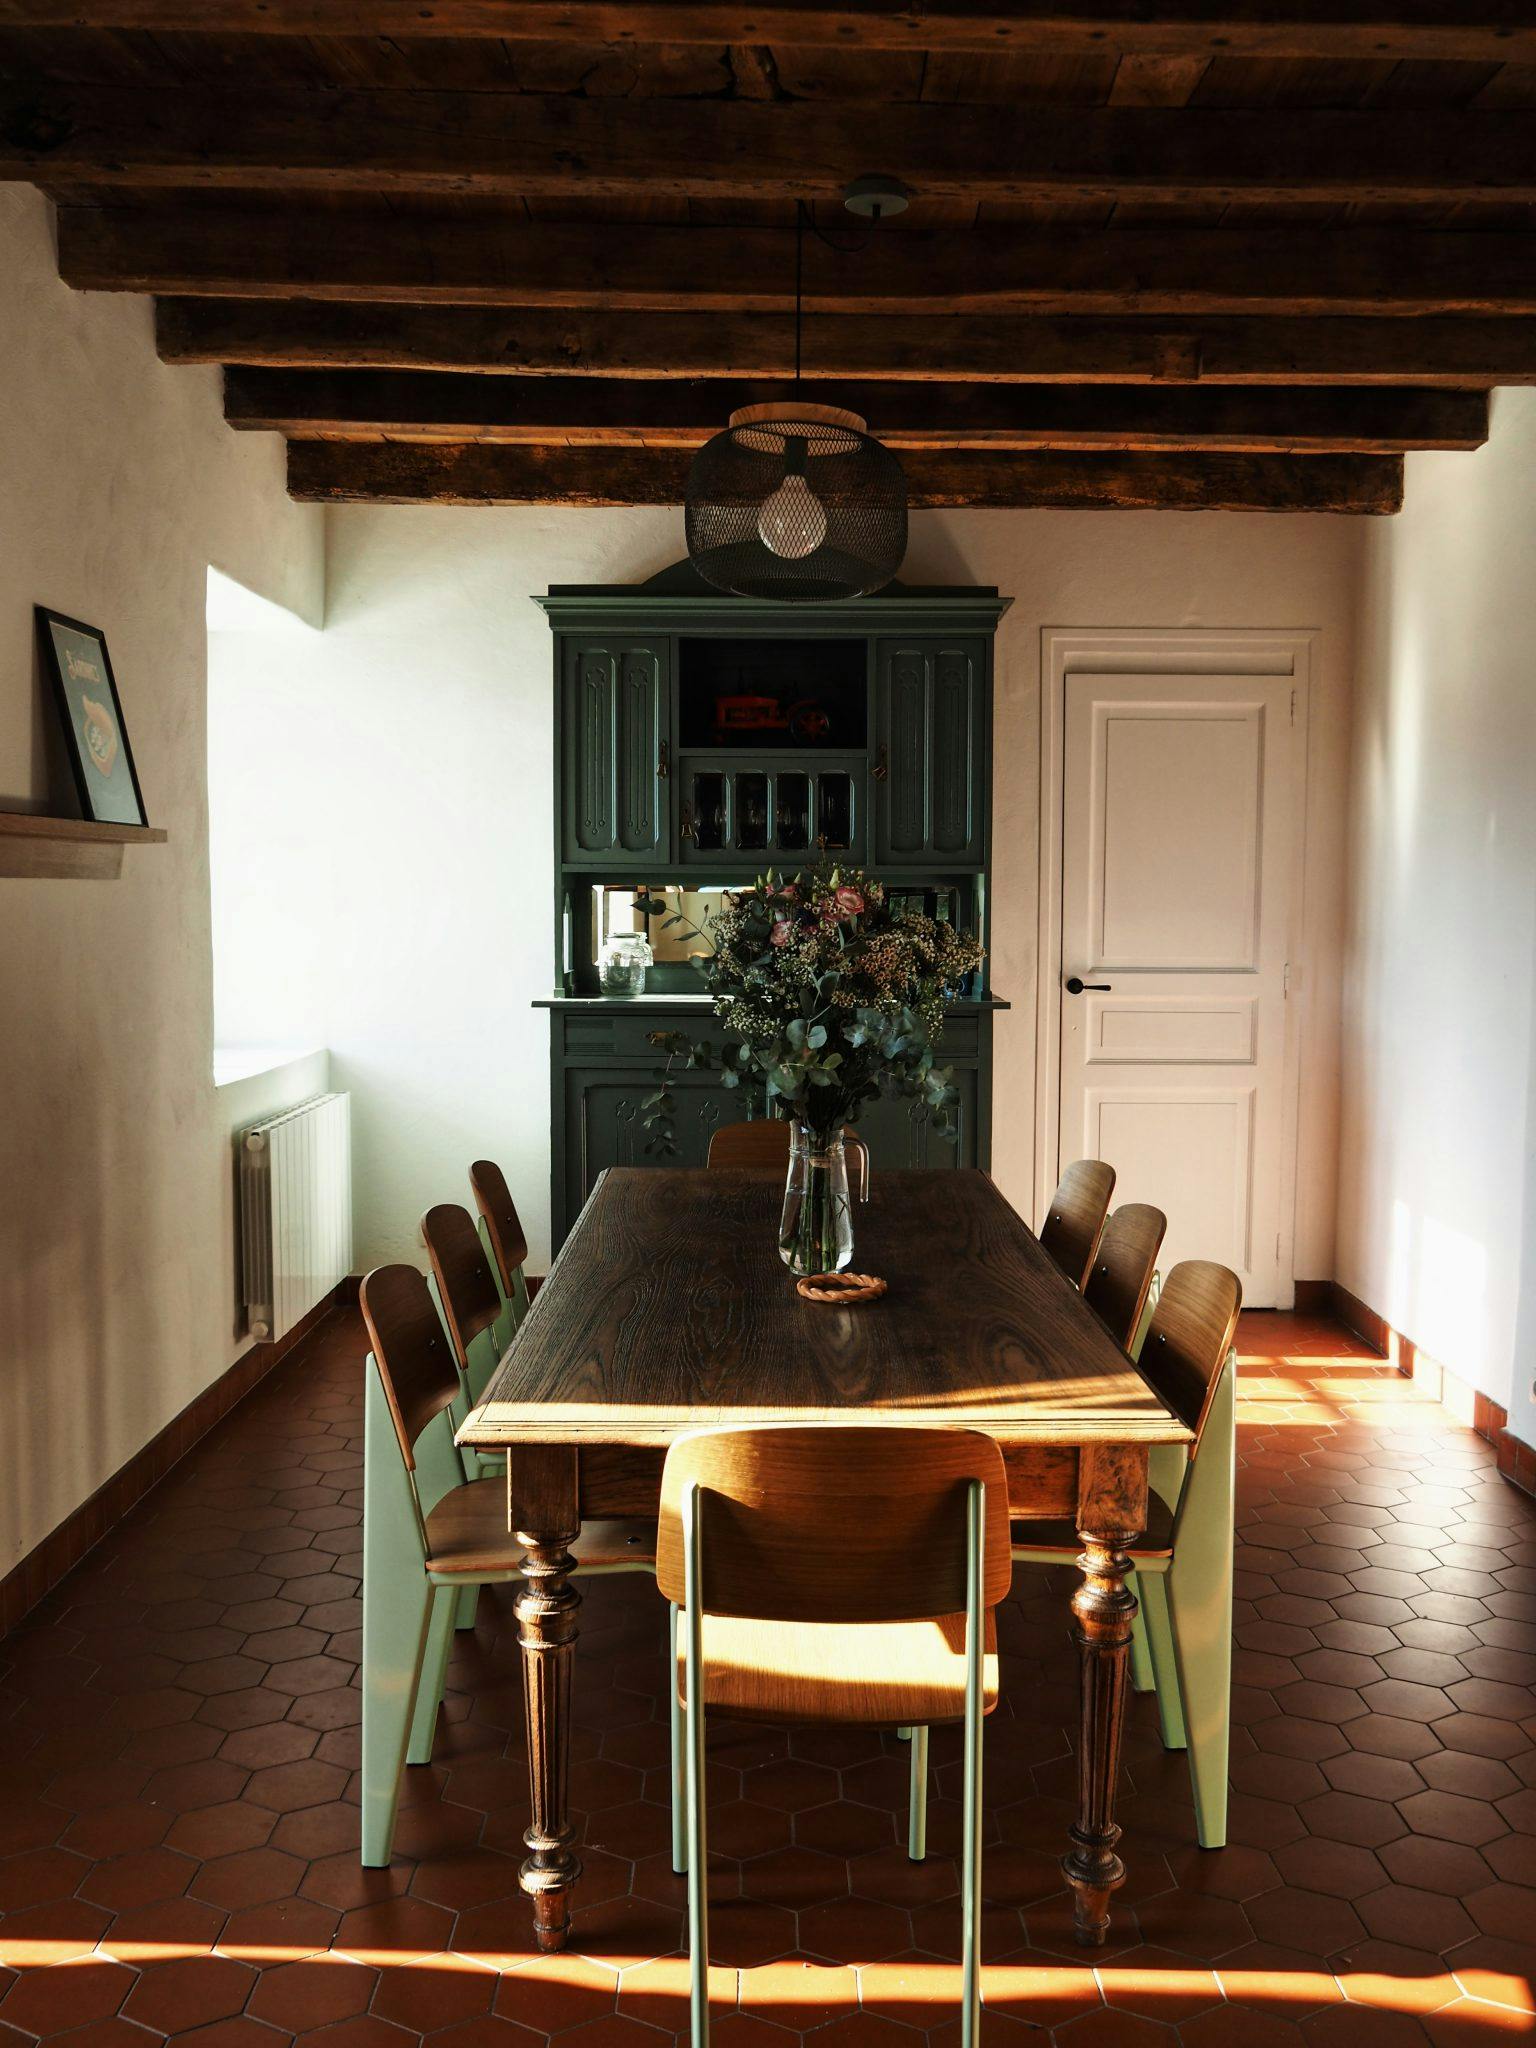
point(75, 656)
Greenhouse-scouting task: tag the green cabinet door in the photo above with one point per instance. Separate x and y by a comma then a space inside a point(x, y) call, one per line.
point(605, 1124)
point(900, 1133)
point(930, 753)
point(614, 716)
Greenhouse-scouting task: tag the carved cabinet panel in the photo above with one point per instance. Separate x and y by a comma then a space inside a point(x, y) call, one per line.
point(930, 760)
point(614, 714)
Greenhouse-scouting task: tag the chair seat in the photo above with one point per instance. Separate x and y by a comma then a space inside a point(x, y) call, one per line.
point(1155, 1541)
point(467, 1533)
point(875, 1674)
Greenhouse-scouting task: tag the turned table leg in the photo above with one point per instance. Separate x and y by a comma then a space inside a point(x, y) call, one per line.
point(544, 1518)
point(1112, 1495)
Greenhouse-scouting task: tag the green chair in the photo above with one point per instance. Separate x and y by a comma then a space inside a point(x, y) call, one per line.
point(428, 1534)
point(1183, 1561)
point(503, 1236)
point(787, 1555)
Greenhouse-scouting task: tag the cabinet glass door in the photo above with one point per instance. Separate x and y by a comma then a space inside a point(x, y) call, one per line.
point(745, 808)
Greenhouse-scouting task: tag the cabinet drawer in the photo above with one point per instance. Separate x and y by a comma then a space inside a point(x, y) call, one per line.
point(622, 1034)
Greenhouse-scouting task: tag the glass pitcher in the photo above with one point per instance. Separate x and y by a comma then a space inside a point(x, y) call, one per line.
point(816, 1227)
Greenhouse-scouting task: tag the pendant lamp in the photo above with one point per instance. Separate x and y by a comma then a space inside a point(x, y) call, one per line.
point(796, 502)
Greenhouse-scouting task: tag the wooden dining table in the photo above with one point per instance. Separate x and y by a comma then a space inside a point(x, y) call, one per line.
point(669, 1310)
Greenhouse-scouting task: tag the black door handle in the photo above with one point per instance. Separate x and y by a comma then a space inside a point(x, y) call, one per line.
point(1075, 986)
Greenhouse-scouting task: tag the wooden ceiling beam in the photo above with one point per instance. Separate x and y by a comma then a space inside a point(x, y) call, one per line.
point(383, 258)
point(970, 349)
point(537, 145)
point(1473, 31)
point(404, 473)
point(362, 405)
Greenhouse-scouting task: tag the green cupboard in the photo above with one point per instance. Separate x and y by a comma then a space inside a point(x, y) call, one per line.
point(701, 739)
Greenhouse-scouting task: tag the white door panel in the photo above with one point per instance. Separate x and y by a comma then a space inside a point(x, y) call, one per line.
point(1180, 806)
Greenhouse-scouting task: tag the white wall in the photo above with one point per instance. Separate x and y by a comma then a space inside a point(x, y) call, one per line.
point(119, 484)
point(1436, 1183)
point(438, 694)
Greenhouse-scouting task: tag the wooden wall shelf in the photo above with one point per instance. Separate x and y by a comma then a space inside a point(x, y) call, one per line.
point(33, 844)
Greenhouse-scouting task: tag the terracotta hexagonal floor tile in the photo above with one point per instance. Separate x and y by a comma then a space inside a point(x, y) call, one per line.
point(397, 1930)
point(1242, 2026)
point(173, 1997)
point(1417, 1919)
point(285, 1930)
point(798, 1994)
point(658, 1992)
point(304, 1995)
point(551, 1993)
point(56, 1933)
point(1452, 1818)
point(250, 1878)
point(66, 1995)
point(1348, 2026)
point(439, 1992)
point(1434, 1866)
point(1109, 2029)
point(1469, 2023)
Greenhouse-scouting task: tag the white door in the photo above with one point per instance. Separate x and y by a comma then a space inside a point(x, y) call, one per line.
point(1181, 815)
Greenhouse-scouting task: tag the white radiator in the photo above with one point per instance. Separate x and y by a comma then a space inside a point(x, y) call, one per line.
point(295, 1211)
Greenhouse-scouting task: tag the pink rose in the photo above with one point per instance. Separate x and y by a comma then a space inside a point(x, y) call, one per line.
point(781, 934)
point(849, 902)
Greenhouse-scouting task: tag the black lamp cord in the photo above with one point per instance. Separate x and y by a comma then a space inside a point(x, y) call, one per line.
point(805, 217)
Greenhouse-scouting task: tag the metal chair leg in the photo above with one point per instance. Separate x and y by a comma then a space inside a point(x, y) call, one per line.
point(698, 1854)
point(434, 1674)
point(917, 1798)
point(679, 1767)
point(970, 1875)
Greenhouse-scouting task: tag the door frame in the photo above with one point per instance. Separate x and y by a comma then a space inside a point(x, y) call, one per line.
point(1151, 651)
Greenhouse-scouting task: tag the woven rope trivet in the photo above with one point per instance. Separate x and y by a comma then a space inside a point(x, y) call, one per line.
point(842, 1289)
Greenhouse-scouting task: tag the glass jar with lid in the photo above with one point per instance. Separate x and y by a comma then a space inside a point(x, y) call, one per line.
point(621, 969)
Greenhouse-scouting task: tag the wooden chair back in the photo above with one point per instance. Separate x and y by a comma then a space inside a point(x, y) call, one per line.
point(859, 1524)
point(1071, 1229)
point(465, 1284)
point(764, 1141)
point(1192, 1330)
point(493, 1198)
point(1121, 1278)
point(409, 1348)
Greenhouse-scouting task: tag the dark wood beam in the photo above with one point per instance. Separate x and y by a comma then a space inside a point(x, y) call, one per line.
point(400, 473)
point(363, 406)
point(969, 349)
point(511, 143)
point(384, 258)
point(1473, 31)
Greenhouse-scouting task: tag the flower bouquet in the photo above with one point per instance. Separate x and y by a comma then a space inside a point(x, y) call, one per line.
point(832, 999)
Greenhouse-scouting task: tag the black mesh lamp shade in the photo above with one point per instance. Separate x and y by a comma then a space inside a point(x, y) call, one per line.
point(798, 503)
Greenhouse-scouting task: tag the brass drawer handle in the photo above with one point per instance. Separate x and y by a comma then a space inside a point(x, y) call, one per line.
point(882, 767)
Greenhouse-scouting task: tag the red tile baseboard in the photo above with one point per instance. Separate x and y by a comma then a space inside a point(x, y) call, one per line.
point(1517, 1460)
point(60, 1551)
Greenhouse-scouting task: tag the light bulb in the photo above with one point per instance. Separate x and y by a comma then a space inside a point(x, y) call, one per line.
point(792, 523)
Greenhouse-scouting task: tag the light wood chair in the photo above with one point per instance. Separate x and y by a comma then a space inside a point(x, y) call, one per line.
point(1070, 1232)
point(1183, 1561)
point(1121, 1283)
point(478, 1330)
point(788, 1557)
point(504, 1236)
point(428, 1533)
point(764, 1141)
